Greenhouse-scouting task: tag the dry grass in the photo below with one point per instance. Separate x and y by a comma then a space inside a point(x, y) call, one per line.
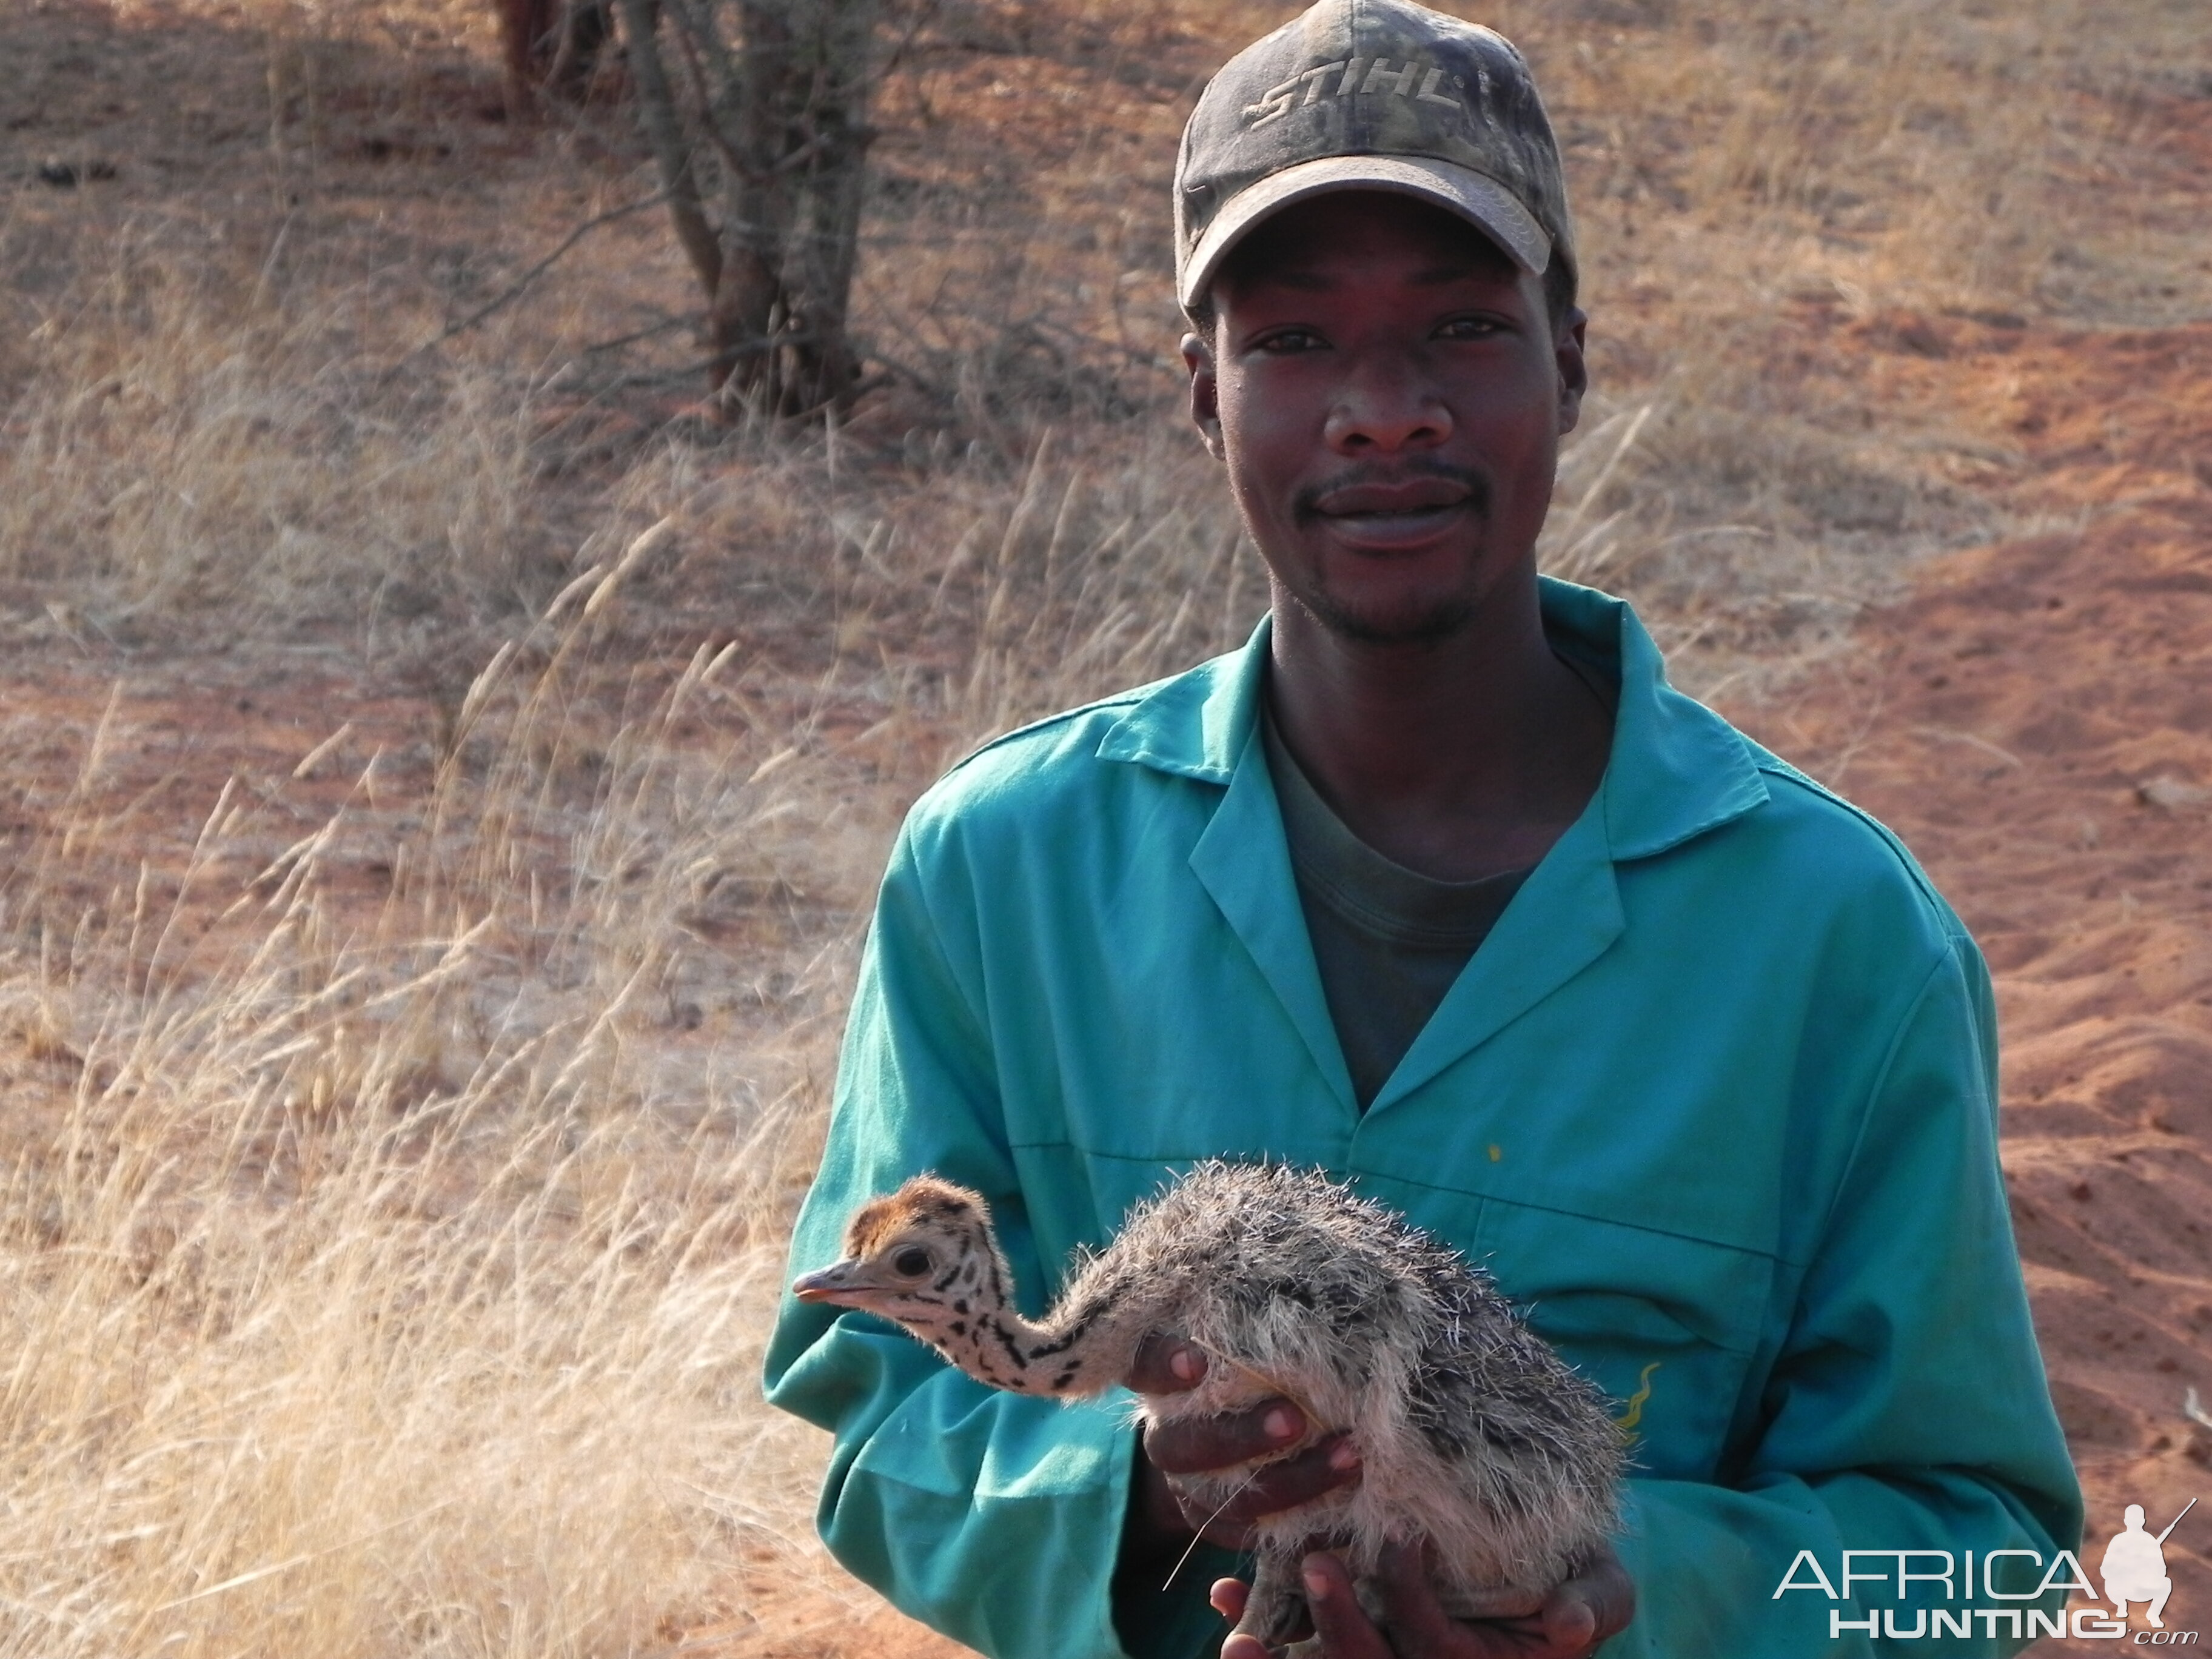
point(185, 439)
point(366, 1293)
point(388, 1273)
point(393, 1198)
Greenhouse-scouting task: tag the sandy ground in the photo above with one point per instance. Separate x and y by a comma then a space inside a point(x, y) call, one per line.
point(2036, 720)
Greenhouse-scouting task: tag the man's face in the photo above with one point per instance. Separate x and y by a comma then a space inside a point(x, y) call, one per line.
point(1388, 395)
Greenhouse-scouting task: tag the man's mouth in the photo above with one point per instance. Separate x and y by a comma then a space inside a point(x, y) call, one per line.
point(1392, 514)
point(1387, 514)
point(1411, 498)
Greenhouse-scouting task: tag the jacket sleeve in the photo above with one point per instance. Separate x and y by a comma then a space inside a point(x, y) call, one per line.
point(1906, 1410)
point(993, 1517)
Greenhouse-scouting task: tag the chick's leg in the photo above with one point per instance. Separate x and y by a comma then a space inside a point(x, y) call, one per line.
point(1275, 1609)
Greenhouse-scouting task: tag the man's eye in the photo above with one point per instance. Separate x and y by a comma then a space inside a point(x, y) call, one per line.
point(1468, 328)
point(1290, 341)
point(913, 1262)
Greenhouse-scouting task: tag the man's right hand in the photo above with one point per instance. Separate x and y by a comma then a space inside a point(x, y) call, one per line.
point(1166, 1517)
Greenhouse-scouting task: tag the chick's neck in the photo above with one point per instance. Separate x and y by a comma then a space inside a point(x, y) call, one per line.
point(1084, 1346)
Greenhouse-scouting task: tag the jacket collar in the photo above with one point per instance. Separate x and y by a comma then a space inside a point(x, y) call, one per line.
point(1676, 771)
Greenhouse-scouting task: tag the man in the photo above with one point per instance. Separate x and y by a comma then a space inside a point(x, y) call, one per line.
point(1438, 885)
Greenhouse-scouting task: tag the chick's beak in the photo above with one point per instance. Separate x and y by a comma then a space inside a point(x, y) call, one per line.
point(837, 1284)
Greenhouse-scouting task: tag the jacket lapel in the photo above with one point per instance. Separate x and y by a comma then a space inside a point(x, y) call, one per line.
point(1562, 919)
point(1677, 770)
point(1242, 861)
point(1205, 725)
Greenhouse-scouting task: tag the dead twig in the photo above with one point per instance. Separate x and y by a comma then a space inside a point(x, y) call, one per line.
point(521, 285)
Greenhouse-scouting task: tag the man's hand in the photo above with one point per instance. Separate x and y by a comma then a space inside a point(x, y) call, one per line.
point(1579, 1613)
point(1163, 1520)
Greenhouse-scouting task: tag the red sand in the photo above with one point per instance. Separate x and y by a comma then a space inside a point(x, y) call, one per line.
point(2036, 720)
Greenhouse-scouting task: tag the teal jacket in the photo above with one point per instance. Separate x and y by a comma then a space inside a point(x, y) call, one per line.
point(1716, 1101)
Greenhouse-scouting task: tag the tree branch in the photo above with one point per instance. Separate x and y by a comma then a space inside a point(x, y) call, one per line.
point(515, 290)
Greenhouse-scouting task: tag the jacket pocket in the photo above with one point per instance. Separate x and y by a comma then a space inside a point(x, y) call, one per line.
point(1666, 1326)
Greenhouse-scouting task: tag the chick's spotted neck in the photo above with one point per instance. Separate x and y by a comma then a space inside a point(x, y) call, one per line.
point(1084, 1345)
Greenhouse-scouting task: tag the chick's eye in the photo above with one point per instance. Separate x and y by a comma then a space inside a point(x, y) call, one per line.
point(913, 1261)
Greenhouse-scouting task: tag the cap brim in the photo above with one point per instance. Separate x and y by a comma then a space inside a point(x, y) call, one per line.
point(1481, 200)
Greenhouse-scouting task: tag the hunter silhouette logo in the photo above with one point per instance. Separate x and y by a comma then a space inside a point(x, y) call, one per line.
point(2133, 1567)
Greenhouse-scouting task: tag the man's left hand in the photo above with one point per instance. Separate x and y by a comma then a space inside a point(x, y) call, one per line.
point(1580, 1612)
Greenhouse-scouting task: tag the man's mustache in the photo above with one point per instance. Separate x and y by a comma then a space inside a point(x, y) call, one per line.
point(1306, 506)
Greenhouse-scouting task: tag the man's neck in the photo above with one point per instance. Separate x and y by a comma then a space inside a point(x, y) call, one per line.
point(1459, 757)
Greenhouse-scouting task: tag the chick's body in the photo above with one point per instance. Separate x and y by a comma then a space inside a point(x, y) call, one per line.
point(1473, 1435)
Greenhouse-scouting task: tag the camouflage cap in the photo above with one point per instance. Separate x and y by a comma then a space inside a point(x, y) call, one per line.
point(1370, 94)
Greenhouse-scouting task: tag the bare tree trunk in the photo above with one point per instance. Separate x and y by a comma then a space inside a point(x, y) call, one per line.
point(827, 248)
point(751, 310)
point(663, 124)
point(775, 94)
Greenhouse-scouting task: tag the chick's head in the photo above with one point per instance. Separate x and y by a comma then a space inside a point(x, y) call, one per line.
point(910, 1256)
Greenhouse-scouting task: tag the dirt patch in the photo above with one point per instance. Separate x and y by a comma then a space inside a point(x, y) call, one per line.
point(2035, 722)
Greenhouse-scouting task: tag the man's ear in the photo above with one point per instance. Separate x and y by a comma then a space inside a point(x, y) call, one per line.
point(1567, 342)
point(1205, 392)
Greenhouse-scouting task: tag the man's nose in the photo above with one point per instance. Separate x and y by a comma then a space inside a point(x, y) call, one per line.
point(1385, 404)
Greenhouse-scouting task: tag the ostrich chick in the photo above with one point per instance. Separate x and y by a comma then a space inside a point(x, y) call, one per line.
point(1474, 1437)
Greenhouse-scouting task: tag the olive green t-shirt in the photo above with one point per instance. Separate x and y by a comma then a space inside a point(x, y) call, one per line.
point(1388, 941)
